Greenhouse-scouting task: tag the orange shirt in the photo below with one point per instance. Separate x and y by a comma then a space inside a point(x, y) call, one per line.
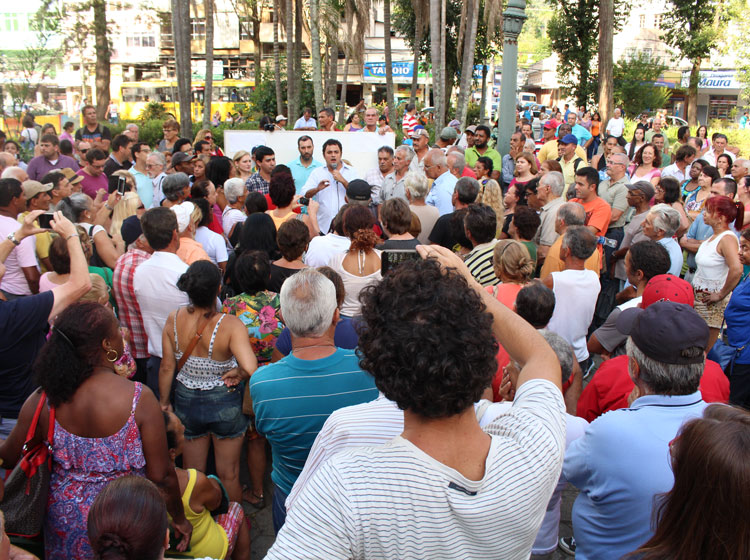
point(190, 251)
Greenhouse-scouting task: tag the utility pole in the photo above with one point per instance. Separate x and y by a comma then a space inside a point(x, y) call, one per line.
point(181, 35)
point(513, 19)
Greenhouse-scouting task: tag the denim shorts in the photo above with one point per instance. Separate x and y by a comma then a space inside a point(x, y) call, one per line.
point(216, 411)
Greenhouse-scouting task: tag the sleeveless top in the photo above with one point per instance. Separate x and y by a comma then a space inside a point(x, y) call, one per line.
point(712, 269)
point(202, 373)
point(209, 538)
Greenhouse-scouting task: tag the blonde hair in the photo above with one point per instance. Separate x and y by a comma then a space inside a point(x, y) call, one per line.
point(171, 123)
point(201, 134)
point(491, 194)
point(528, 156)
point(127, 207)
point(511, 260)
point(239, 155)
point(98, 292)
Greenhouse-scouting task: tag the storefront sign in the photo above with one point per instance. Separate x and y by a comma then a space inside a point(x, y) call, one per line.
point(713, 79)
point(374, 72)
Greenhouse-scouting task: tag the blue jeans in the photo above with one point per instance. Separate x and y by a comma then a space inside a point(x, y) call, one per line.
point(216, 411)
point(278, 509)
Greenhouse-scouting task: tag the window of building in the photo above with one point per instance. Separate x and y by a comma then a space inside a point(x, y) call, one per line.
point(658, 20)
point(720, 106)
point(197, 29)
point(15, 22)
point(642, 21)
point(140, 40)
point(246, 26)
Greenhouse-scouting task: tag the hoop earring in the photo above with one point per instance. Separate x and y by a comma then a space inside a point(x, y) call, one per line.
point(112, 360)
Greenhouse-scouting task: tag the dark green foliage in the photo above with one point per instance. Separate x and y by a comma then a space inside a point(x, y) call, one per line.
point(633, 84)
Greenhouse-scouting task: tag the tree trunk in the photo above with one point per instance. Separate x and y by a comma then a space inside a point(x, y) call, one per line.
point(692, 93)
point(418, 37)
point(483, 102)
point(298, 73)
point(389, 61)
point(334, 69)
point(606, 81)
point(291, 74)
point(257, 46)
point(342, 100)
point(102, 58)
point(444, 97)
point(435, 25)
point(209, 89)
point(276, 58)
point(181, 35)
point(317, 63)
point(467, 66)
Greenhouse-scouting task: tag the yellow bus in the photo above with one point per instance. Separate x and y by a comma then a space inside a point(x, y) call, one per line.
point(135, 96)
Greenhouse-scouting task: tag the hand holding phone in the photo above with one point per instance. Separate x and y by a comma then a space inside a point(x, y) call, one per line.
point(121, 183)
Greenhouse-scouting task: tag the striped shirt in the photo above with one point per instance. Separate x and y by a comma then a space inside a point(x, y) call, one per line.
point(127, 304)
point(395, 501)
point(479, 261)
point(292, 399)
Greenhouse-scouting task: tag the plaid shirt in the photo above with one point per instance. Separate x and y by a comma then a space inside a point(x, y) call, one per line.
point(127, 304)
point(256, 183)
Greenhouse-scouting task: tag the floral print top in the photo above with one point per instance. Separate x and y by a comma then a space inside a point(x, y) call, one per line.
point(260, 314)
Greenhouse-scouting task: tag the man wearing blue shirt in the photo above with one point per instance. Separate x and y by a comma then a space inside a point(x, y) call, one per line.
point(444, 182)
point(304, 164)
point(622, 463)
point(293, 397)
point(584, 136)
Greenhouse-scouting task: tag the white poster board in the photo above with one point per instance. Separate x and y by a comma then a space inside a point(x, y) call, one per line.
point(360, 149)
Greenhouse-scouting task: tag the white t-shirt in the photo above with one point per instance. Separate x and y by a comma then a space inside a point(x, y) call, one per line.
point(575, 300)
point(323, 247)
point(353, 284)
point(333, 196)
point(213, 244)
point(396, 501)
point(615, 127)
point(231, 216)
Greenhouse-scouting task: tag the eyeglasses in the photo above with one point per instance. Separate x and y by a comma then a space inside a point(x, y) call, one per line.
point(208, 137)
point(141, 207)
point(84, 151)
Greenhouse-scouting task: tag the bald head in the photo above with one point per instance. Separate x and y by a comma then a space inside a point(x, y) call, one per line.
point(15, 173)
point(435, 163)
point(6, 160)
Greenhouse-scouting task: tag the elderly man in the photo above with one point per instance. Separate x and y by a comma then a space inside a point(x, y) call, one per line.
point(660, 225)
point(680, 169)
point(616, 125)
point(155, 283)
point(327, 120)
point(305, 163)
point(393, 183)
point(7, 160)
point(447, 138)
point(293, 397)
point(371, 122)
point(643, 261)
point(613, 513)
point(436, 168)
point(576, 290)
point(421, 144)
point(155, 165)
point(444, 473)
point(444, 231)
point(328, 183)
point(132, 131)
point(16, 173)
point(456, 164)
point(547, 200)
point(467, 171)
point(376, 176)
point(38, 197)
point(639, 195)
point(480, 225)
point(50, 159)
point(568, 214)
point(718, 147)
point(176, 189)
point(740, 169)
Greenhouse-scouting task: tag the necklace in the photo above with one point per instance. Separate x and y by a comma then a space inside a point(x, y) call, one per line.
point(361, 262)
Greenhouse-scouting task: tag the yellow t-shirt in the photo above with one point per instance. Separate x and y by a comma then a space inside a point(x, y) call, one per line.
point(549, 151)
point(209, 538)
point(43, 242)
point(553, 263)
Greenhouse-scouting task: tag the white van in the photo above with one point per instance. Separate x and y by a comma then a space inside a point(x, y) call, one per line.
point(525, 99)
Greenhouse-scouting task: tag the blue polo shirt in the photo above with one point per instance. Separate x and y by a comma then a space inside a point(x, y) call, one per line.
point(620, 465)
point(441, 193)
point(293, 398)
point(301, 173)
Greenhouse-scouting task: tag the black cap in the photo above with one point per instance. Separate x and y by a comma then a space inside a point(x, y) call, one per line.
point(664, 330)
point(131, 229)
point(358, 191)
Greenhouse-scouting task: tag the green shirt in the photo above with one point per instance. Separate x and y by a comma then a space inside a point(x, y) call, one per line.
point(472, 155)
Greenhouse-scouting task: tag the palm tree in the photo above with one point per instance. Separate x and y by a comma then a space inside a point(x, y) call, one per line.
point(421, 19)
point(389, 61)
point(317, 63)
point(467, 32)
point(357, 14)
point(208, 90)
point(437, 90)
point(291, 72)
point(103, 55)
point(276, 57)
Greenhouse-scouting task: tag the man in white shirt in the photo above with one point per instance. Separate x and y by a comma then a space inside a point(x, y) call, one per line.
point(616, 125)
point(155, 165)
point(323, 247)
point(327, 184)
point(306, 122)
point(680, 169)
point(155, 283)
point(377, 175)
point(393, 184)
point(22, 273)
point(718, 147)
point(371, 122)
point(452, 475)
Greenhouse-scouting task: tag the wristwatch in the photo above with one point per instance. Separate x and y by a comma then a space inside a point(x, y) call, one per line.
point(12, 238)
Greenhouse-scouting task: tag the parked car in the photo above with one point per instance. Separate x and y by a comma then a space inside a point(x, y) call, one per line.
point(675, 121)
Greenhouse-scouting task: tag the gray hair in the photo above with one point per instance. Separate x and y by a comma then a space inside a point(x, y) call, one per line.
point(555, 181)
point(308, 302)
point(571, 214)
point(416, 185)
point(159, 157)
point(173, 185)
point(234, 189)
point(459, 161)
point(666, 219)
point(131, 126)
point(408, 151)
point(456, 148)
point(467, 189)
point(437, 157)
point(663, 378)
point(529, 146)
point(564, 351)
point(580, 240)
point(73, 206)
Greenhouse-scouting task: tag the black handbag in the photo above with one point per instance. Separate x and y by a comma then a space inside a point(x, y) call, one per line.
point(27, 488)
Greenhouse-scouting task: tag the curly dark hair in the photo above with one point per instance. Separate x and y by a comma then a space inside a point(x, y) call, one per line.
point(281, 189)
point(416, 362)
point(292, 239)
point(73, 349)
point(527, 221)
point(201, 283)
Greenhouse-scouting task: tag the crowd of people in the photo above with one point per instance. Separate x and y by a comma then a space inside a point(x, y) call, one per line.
point(432, 349)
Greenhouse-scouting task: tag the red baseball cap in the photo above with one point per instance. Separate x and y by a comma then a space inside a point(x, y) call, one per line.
point(550, 124)
point(667, 287)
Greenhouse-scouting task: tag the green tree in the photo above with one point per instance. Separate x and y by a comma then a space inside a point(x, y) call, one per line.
point(633, 84)
point(533, 42)
point(694, 27)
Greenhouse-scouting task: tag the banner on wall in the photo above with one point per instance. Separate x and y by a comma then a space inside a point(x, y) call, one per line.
point(713, 79)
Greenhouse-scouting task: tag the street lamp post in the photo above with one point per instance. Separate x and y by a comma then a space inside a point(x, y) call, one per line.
point(513, 19)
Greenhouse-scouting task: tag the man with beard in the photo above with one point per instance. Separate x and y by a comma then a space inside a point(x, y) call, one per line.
point(480, 148)
point(304, 164)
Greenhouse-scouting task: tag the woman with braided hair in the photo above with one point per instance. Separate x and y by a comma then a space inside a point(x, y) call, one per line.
point(360, 265)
